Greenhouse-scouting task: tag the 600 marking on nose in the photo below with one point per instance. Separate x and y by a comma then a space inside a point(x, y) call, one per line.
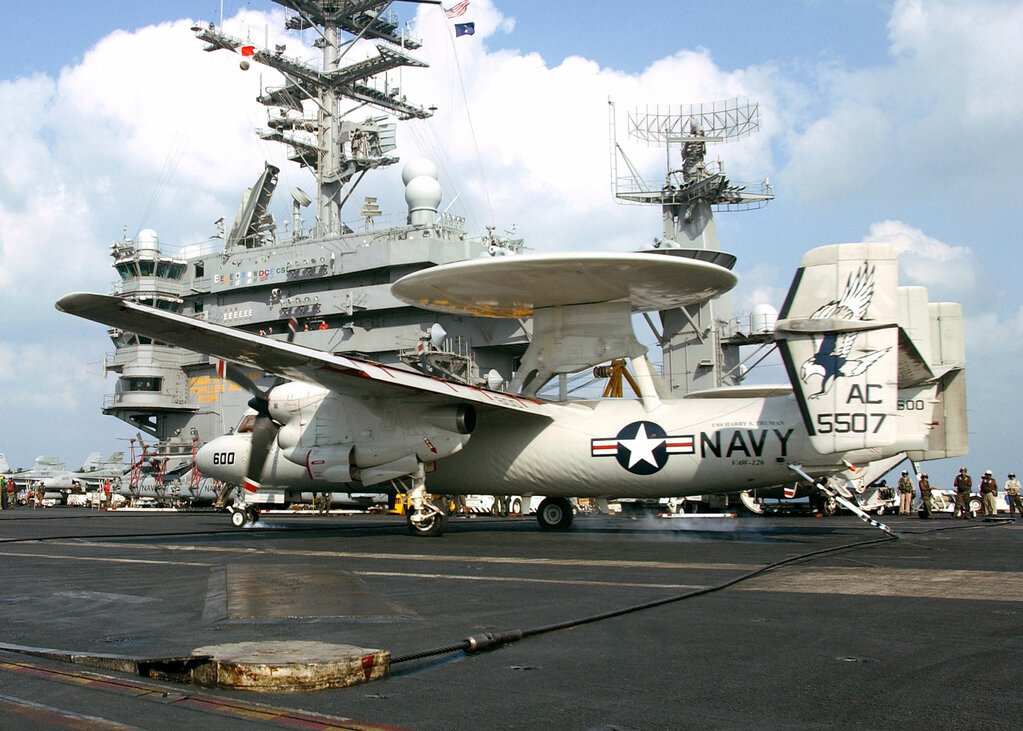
point(223, 458)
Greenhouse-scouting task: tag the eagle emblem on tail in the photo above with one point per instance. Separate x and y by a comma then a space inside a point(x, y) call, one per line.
point(831, 352)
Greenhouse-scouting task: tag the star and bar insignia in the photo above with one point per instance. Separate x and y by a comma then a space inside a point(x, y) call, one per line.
point(642, 447)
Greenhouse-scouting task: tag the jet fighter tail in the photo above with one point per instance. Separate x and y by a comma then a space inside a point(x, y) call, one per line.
point(838, 336)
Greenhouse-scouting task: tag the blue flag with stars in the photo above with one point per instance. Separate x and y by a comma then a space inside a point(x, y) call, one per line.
point(465, 29)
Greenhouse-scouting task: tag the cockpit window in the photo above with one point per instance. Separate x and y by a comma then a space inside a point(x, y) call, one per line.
point(246, 424)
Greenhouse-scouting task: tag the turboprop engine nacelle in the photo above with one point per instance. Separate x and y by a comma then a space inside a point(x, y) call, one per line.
point(368, 447)
point(330, 463)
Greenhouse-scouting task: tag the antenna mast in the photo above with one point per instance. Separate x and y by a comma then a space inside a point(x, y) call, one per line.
point(696, 342)
point(310, 105)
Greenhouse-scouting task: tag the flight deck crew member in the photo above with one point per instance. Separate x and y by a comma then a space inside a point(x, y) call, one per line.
point(906, 491)
point(963, 483)
point(925, 494)
point(1012, 496)
point(989, 493)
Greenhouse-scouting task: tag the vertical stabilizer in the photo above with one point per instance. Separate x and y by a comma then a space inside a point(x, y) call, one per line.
point(92, 461)
point(4, 467)
point(838, 336)
point(948, 344)
point(948, 435)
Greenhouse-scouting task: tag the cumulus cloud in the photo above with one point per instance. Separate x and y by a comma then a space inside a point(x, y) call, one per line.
point(543, 134)
point(146, 130)
point(949, 272)
point(943, 112)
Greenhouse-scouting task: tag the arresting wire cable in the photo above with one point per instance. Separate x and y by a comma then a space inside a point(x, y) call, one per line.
point(492, 640)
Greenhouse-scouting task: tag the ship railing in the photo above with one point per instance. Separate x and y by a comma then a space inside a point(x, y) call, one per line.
point(193, 251)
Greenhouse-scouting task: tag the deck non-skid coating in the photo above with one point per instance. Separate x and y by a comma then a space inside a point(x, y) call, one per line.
point(298, 589)
point(825, 641)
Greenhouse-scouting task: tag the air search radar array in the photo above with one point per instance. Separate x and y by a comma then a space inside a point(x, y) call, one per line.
point(689, 129)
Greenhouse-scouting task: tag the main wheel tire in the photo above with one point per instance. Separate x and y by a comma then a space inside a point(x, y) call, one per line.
point(252, 514)
point(237, 518)
point(432, 526)
point(830, 506)
point(554, 513)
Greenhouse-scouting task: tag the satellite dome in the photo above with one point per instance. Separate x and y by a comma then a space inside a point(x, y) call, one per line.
point(762, 319)
point(423, 193)
point(416, 167)
point(147, 240)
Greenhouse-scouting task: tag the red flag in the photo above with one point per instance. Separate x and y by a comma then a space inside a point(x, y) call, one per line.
point(248, 50)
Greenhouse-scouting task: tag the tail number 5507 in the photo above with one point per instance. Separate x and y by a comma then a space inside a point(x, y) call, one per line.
point(857, 422)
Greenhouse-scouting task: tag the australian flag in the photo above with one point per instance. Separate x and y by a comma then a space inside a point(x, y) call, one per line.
point(465, 29)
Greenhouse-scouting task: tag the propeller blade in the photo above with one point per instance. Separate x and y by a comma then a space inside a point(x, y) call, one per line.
point(264, 431)
point(236, 374)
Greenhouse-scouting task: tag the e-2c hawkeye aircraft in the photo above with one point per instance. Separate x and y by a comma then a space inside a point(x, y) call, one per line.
point(874, 369)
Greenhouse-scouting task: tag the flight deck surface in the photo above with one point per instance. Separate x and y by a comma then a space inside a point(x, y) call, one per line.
point(920, 631)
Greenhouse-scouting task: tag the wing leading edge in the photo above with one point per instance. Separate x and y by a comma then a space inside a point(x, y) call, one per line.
point(345, 375)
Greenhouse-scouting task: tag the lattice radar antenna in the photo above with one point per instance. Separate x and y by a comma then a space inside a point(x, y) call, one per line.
point(690, 177)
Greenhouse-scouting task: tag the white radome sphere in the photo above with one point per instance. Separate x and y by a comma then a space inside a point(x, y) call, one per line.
point(762, 319)
point(422, 192)
point(417, 167)
point(147, 240)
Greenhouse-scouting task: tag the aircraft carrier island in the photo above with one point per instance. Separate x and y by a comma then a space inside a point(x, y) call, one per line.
point(331, 279)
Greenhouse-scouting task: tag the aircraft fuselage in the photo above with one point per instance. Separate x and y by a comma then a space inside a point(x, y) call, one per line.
point(611, 448)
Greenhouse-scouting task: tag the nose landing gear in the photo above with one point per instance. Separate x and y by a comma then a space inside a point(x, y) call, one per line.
point(242, 515)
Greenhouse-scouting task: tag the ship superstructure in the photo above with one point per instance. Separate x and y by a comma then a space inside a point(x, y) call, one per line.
point(332, 277)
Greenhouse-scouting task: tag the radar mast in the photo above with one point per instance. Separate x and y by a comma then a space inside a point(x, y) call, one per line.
point(697, 342)
point(311, 110)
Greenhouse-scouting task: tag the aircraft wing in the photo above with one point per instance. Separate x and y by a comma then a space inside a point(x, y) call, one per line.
point(351, 376)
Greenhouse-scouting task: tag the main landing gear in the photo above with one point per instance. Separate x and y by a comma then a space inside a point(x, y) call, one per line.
point(554, 513)
point(423, 515)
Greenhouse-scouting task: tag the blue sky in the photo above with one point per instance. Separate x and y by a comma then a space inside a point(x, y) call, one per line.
point(47, 34)
point(894, 120)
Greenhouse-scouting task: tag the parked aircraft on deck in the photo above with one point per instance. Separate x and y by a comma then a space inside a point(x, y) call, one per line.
point(874, 371)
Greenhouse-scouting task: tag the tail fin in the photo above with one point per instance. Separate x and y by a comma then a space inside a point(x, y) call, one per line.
point(947, 435)
point(838, 336)
point(4, 467)
point(92, 461)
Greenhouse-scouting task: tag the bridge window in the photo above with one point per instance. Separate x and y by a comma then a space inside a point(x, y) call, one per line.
point(127, 270)
point(139, 383)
